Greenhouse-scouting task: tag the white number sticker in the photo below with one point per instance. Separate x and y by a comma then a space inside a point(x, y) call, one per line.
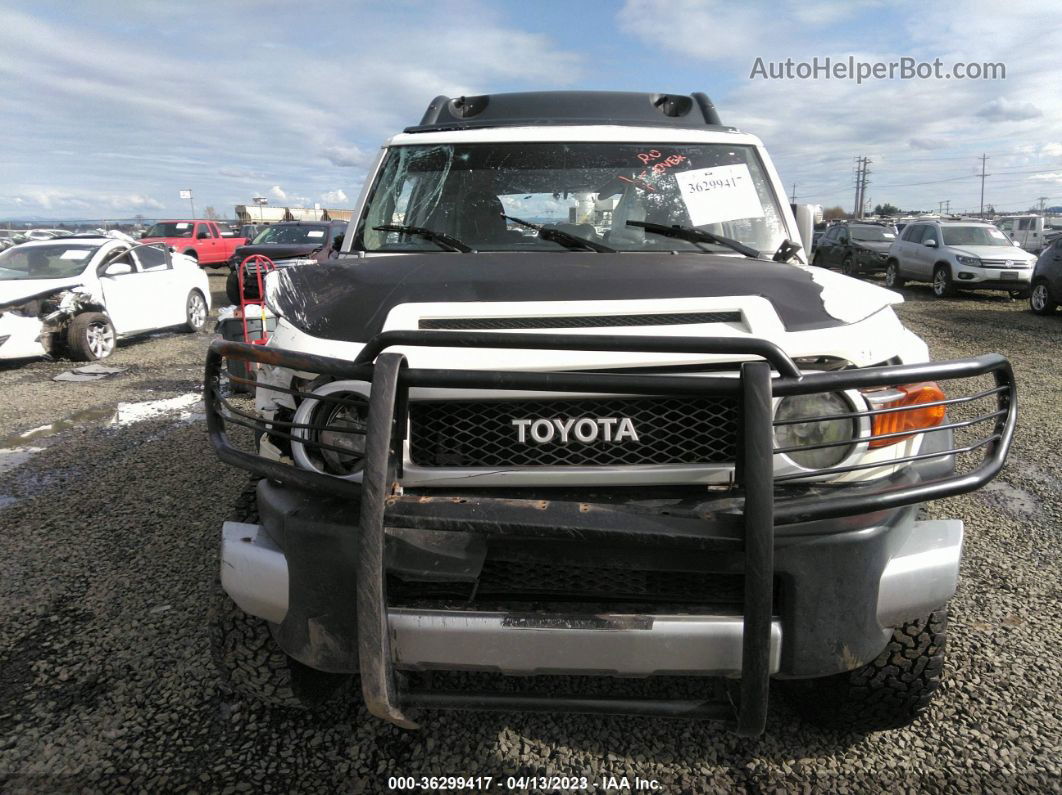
point(996, 233)
point(722, 193)
point(182, 226)
point(74, 253)
point(315, 233)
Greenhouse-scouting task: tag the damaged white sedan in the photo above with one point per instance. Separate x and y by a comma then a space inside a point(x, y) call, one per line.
point(77, 295)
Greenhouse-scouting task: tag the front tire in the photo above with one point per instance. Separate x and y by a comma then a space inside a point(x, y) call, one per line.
point(250, 662)
point(195, 312)
point(90, 336)
point(893, 279)
point(848, 266)
point(943, 286)
point(890, 692)
point(1040, 300)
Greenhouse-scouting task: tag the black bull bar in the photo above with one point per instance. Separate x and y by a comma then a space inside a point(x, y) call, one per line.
point(765, 372)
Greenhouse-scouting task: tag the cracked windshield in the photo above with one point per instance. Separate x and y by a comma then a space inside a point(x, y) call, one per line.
point(448, 195)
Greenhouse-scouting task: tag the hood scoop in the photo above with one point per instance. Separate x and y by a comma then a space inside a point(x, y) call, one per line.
point(576, 321)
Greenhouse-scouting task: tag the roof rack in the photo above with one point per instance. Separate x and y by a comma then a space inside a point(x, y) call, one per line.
point(535, 108)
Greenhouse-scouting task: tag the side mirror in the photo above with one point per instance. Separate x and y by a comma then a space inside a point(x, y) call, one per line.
point(118, 269)
point(931, 243)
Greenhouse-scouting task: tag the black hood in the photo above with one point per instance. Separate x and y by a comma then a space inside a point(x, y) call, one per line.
point(278, 250)
point(350, 299)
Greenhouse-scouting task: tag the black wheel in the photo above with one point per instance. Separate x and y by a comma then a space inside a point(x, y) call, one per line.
point(893, 279)
point(232, 288)
point(848, 266)
point(195, 310)
point(943, 286)
point(1040, 300)
point(90, 336)
point(887, 693)
point(249, 660)
point(250, 286)
point(192, 253)
point(817, 260)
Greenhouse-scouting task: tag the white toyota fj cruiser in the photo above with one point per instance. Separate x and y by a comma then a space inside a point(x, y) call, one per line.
point(570, 402)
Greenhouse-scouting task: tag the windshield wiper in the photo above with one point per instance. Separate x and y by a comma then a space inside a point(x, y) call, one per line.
point(441, 238)
point(559, 236)
point(694, 235)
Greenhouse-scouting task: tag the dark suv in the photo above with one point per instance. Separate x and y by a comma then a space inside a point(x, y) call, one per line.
point(855, 248)
point(291, 243)
point(1046, 292)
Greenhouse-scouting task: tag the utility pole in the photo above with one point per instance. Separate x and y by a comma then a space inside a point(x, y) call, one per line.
point(857, 206)
point(792, 198)
point(984, 159)
point(940, 208)
point(1042, 200)
point(947, 206)
point(866, 182)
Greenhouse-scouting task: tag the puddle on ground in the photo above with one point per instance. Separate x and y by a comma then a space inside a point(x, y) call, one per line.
point(1013, 498)
point(11, 457)
point(16, 449)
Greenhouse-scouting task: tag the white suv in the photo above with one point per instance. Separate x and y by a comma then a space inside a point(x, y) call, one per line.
point(956, 255)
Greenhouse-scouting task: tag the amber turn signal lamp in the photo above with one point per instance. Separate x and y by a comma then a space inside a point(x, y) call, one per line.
point(917, 418)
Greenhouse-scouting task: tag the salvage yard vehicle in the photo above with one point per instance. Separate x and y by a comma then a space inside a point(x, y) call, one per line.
point(77, 295)
point(959, 255)
point(855, 247)
point(1032, 232)
point(200, 240)
point(287, 244)
point(646, 439)
point(1046, 292)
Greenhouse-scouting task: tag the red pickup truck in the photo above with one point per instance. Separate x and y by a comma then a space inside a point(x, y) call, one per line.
point(201, 240)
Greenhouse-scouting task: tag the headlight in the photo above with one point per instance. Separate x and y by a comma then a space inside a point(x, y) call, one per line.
point(790, 433)
point(972, 262)
point(329, 430)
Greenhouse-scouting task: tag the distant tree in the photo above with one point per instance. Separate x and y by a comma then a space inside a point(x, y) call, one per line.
point(834, 214)
point(211, 214)
point(886, 209)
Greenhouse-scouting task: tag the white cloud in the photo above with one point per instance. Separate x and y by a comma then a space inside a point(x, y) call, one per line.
point(278, 193)
point(927, 143)
point(334, 196)
point(51, 199)
point(344, 156)
point(1003, 109)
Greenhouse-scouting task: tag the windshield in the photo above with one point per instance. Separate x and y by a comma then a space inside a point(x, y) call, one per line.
point(873, 234)
point(291, 235)
point(974, 236)
point(589, 190)
point(170, 229)
point(59, 261)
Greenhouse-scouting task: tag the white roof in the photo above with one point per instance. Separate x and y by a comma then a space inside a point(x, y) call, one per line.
point(589, 133)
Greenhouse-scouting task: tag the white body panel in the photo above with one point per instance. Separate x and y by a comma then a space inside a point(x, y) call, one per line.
point(143, 300)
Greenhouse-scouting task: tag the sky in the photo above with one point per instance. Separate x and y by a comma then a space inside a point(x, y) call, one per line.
point(108, 109)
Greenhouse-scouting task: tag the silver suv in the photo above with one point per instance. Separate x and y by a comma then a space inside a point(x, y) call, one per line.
point(954, 255)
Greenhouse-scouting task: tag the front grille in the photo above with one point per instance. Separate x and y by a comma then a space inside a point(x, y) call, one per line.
point(588, 321)
point(541, 582)
point(481, 434)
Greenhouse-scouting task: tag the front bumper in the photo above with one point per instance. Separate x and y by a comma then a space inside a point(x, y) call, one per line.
point(21, 337)
point(817, 586)
point(882, 574)
point(993, 278)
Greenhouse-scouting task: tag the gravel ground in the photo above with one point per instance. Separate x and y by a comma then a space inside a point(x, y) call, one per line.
point(109, 549)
